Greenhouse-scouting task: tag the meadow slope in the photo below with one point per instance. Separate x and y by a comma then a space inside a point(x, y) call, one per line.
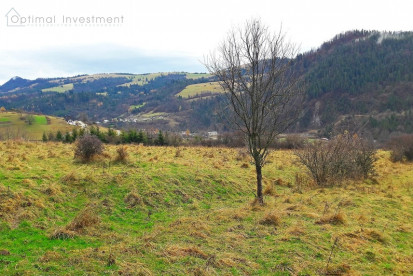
point(188, 211)
point(13, 124)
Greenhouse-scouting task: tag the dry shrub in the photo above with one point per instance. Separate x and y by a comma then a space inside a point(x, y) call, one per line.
point(401, 148)
point(132, 199)
point(181, 251)
point(122, 154)
point(344, 157)
point(87, 147)
point(271, 218)
point(292, 141)
point(334, 219)
point(84, 219)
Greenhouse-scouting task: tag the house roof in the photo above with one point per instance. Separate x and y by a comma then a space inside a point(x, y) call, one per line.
point(12, 10)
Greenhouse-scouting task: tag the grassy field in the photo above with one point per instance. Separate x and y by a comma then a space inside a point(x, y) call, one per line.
point(59, 89)
point(132, 107)
point(11, 122)
point(142, 79)
point(194, 76)
point(189, 211)
point(199, 89)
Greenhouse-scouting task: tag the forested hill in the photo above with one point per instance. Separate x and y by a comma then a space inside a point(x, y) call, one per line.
point(360, 80)
point(353, 60)
point(365, 75)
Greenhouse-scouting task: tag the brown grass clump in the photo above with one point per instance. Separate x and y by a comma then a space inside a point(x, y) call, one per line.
point(62, 234)
point(50, 256)
point(122, 154)
point(51, 154)
point(135, 268)
point(84, 219)
point(132, 199)
point(52, 189)
point(242, 155)
point(178, 153)
point(182, 251)
point(374, 235)
point(334, 219)
point(342, 269)
point(271, 218)
point(71, 177)
point(245, 166)
point(296, 230)
point(269, 190)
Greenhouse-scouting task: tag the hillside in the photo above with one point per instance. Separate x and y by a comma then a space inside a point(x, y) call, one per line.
point(358, 80)
point(188, 211)
point(15, 124)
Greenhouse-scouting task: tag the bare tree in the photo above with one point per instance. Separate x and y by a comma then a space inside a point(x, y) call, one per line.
point(255, 68)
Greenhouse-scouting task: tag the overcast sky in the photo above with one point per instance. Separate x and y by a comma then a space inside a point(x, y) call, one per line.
point(172, 35)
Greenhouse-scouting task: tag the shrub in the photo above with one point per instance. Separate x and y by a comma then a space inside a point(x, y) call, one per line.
point(122, 154)
point(343, 157)
point(292, 141)
point(401, 148)
point(87, 147)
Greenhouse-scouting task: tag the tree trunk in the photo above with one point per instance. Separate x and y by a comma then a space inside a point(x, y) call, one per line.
point(259, 183)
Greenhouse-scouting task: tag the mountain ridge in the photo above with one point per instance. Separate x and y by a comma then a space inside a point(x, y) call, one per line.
point(358, 78)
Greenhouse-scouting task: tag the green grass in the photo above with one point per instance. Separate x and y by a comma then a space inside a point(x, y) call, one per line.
point(197, 90)
point(164, 213)
point(40, 120)
point(4, 119)
point(59, 89)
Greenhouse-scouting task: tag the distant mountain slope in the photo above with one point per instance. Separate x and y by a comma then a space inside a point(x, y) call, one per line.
point(358, 80)
point(365, 76)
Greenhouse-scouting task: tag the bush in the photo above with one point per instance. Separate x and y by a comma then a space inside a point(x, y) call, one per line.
point(291, 141)
point(88, 147)
point(343, 157)
point(122, 154)
point(401, 148)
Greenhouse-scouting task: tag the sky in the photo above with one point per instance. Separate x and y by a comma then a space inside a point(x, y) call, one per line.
point(163, 36)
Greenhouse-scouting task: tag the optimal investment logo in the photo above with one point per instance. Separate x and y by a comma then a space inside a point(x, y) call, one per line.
point(15, 19)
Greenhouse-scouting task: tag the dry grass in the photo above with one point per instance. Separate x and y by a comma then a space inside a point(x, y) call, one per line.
point(334, 219)
point(62, 234)
point(183, 251)
point(164, 214)
point(84, 219)
point(271, 218)
point(132, 200)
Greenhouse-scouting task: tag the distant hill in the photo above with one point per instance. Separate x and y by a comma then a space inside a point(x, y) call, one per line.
point(358, 80)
